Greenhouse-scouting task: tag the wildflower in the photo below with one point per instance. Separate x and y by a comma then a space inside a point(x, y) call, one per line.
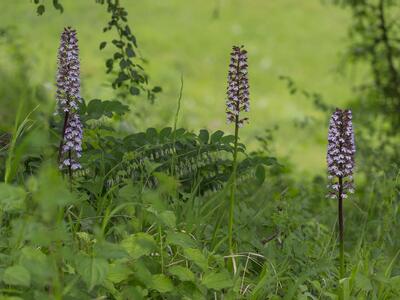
point(72, 143)
point(68, 97)
point(340, 159)
point(237, 101)
point(68, 82)
point(340, 154)
point(238, 87)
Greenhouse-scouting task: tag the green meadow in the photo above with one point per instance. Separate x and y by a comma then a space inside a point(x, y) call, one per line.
point(301, 39)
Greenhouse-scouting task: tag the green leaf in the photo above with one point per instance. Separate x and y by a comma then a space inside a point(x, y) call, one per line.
point(134, 91)
point(109, 250)
point(103, 45)
point(260, 174)
point(97, 109)
point(156, 89)
point(216, 136)
point(123, 63)
point(217, 281)
point(92, 270)
point(118, 272)
point(11, 197)
point(197, 257)
point(181, 239)
point(40, 9)
point(204, 136)
point(162, 283)
point(37, 263)
point(183, 273)
point(17, 275)
point(168, 218)
point(139, 244)
point(129, 51)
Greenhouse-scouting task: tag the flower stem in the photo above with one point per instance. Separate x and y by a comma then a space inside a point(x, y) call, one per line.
point(161, 249)
point(341, 237)
point(233, 187)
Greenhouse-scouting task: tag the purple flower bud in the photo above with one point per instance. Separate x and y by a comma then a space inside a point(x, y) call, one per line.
point(340, 154)
point(68, 82)
point(238, 87)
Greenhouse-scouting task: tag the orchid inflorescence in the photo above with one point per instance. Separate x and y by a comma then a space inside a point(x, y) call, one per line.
point(68, 98)
point(238, 87)
point(340, 154)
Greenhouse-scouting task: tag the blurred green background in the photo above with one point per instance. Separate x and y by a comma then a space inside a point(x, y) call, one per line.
point(302, 39)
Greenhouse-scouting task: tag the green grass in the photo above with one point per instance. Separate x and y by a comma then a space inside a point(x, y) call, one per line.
point(297, 38)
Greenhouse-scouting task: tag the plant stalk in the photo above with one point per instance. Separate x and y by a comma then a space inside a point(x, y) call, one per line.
point(233, 187)
point(341, 238)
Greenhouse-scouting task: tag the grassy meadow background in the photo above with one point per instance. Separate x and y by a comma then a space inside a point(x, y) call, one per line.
point(302, 39)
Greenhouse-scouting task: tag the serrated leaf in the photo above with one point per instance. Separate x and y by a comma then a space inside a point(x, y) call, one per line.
point(162, 283)
point(17, 275)
point(139, 244)
point(183, 273)
point(217, 281)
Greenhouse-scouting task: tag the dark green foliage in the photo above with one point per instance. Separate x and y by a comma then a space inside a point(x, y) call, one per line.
point(201, 162)
point(130, 75)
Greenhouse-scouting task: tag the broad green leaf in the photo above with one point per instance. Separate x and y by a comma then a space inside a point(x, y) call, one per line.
point(11, 197)
point(216, 136)
point(134, 292)
point(93, 270)
point(168, 218)
point(190, 291)
point(139, 244)
point(183, 273)
point(260, 174)
point(181, 239)
point(204, 136)
point(37, 263)
point(142, 273)
point(217, 281)
point(17, 275)
point(162, 283)
point(118, 272)
point(197, 257)
point(109, 250)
